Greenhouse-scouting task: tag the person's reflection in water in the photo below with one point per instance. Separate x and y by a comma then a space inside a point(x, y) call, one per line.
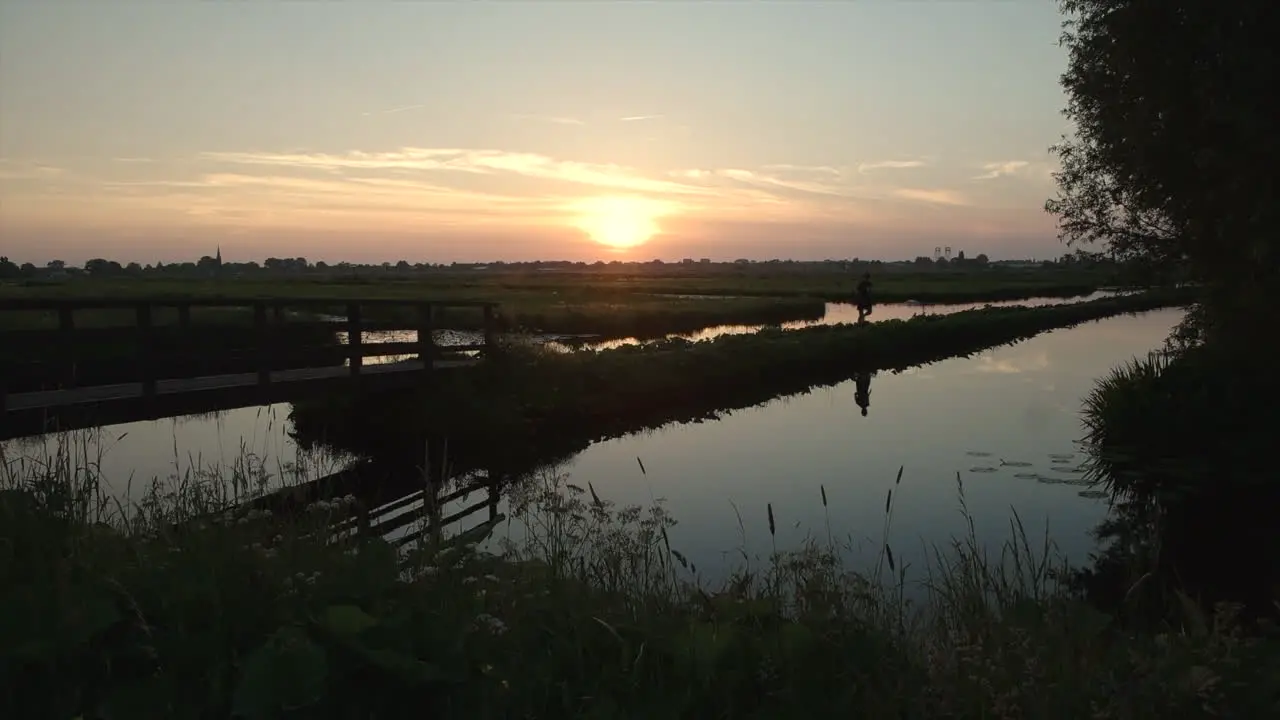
point(862, 391)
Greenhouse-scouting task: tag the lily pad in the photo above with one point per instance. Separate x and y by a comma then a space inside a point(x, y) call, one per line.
point(1027, 476)
point(982, 470)
point(1015, 463)
point(1049, 480)
point(1075, 469)
point(1061, 457)
point(977, 453)
point(1092, 494)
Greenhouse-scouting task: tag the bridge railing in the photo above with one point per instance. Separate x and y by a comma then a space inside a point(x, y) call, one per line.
point(73, 343)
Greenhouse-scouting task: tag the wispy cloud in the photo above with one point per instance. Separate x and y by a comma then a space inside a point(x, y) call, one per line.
point(890, 165)
point(485, 162)
point(553, 119)
point(939, 197)
point(394, 110)
point(1001, 169)
point(22, 170)
point(133, 160)
point(407, 188)
point(638, 118)
point(825, 170)
point(756, 178)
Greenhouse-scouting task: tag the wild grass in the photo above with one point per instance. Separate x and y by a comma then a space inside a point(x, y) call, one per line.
point(589, 613)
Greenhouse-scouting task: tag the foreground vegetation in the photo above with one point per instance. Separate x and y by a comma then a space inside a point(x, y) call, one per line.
point(110, 614)
point(539, 405)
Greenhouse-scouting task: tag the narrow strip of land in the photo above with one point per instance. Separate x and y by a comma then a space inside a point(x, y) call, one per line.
point(129, 391)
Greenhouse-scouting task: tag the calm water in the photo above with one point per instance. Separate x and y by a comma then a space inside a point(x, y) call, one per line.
point(249, 442)
point(1019, 405)
point(837, 313)
point(131, 455)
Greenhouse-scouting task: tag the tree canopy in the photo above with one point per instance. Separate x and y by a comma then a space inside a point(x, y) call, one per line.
point(1175, 147)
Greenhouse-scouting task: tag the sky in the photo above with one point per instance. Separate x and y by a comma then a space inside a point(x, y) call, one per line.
point(474, 131)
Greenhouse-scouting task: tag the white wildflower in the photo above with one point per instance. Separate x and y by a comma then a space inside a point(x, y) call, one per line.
point(491, 623)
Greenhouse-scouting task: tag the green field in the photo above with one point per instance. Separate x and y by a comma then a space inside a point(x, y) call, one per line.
point(522, 286)
point(608, 302)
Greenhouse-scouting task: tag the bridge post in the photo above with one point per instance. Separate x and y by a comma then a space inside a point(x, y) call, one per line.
point(354, 340)
point(263, 337)
point(146, 350)
point(184, 317)
point(490, 330)
point(431, 494)
point(426, 341)
point(494, 480)
point(66, 338)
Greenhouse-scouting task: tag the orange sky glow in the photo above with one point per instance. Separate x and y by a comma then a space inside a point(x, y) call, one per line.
point(132, 132)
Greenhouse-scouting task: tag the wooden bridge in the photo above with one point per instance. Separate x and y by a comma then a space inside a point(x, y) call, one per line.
point(404, 509)
point(131, 360)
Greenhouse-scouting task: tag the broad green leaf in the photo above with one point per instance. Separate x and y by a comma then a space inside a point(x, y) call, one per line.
point(347, 620)
point(286, 672)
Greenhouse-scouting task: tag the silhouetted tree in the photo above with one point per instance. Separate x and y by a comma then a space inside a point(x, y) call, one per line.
point(99, 267)
point(1174, 104)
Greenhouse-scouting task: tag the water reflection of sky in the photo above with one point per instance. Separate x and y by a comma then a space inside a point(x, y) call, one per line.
point(1020, 404)
point(128, 457)
point(835, 314)
point(838, 313)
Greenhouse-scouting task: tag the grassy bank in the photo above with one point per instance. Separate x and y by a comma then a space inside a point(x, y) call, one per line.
point(591, 615)
point(539, 405)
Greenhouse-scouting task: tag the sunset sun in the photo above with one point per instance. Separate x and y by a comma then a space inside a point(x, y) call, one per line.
point(619, 222)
